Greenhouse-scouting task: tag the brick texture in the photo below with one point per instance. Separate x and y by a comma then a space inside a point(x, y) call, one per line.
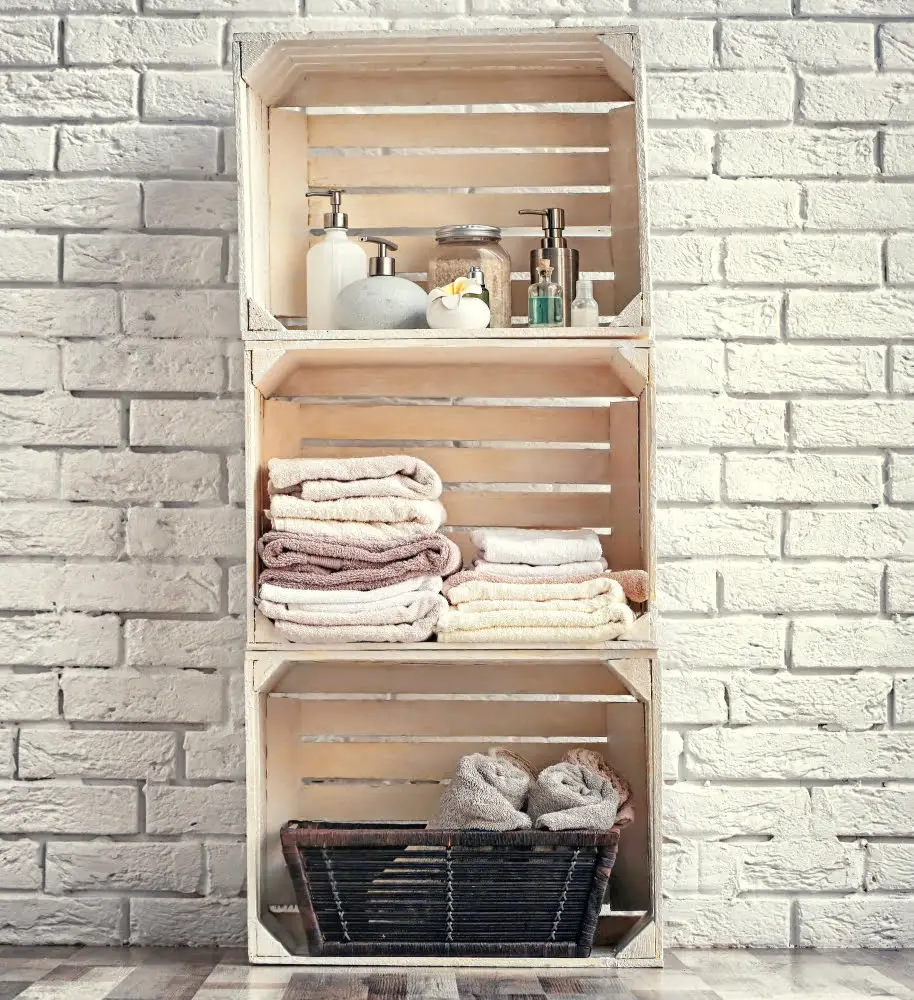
point(782, 159)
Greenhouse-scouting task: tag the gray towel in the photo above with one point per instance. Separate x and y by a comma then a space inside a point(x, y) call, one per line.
point(487, 792)
point(581, 793)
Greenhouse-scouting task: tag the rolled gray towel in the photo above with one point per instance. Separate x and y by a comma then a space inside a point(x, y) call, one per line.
point(581, 793)
point(487, 792)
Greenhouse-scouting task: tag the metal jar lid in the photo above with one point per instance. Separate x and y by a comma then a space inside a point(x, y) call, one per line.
point(453, 234)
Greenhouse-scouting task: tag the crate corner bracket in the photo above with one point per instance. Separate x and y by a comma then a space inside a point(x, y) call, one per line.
point(260, 320)
point(635, 674)
point(642, 944)
point(632, 314)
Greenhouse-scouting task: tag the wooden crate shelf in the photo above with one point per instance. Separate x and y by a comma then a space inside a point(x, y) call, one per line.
point(525, 430)
point(540, 117)
point(537, 434)
point(357, 735)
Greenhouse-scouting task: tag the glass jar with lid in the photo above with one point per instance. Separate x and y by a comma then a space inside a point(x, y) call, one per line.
point(458, 248)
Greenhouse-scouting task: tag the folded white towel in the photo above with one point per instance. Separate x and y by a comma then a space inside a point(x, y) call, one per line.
point(563, 571)
point(537, 548)
point(393, 593)
point(409, 608)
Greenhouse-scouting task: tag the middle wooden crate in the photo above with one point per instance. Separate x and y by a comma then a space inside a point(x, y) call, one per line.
point(532, 434)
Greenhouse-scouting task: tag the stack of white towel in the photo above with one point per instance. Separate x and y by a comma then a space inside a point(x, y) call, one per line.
point(355, 554)
point(529, 586)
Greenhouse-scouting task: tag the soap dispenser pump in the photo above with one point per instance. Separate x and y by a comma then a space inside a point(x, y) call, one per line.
point(333, 263)
point(382, 301)
point(554, 250)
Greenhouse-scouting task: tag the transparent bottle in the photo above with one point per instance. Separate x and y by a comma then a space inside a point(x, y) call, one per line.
point(458, 248)
point(584, 309)
point(545, 302)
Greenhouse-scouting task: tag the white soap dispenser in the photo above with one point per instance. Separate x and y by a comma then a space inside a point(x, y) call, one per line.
point(382, 301)
point(333, 263)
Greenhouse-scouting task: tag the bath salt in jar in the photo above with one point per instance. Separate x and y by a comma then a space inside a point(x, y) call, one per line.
point(458, 248)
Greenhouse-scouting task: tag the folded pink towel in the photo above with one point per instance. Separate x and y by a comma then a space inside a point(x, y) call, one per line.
point(321, 563)
point(370, 476)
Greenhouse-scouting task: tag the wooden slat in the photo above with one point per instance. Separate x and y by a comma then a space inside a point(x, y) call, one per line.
point(288, 423)
point(289, 238)
point(368, 803)
point(626, 207)
point(512, 48)
point(441, 677)
point(427, 211)
point(460, 65)
point(538, 130)
point(457, 719)
point(529, 510)
point(486, 465)
point(440, 381)
point(409, 760)
point(422, 89)
point(595, 252)
point(625, 476)
point(467, 170)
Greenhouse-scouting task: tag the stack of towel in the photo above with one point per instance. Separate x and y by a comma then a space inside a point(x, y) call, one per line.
point(354, 554)
point(538, 586)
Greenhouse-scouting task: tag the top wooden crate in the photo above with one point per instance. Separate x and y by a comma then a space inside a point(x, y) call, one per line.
point(425, 131)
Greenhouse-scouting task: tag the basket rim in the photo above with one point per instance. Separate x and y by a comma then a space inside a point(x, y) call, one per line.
point(321, 833)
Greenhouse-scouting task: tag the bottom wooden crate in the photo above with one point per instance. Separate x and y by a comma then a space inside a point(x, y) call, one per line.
point(350, 736)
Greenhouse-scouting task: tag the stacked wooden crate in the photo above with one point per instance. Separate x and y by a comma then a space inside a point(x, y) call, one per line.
point(525, 430)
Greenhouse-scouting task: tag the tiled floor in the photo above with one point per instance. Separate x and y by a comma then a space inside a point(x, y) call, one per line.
point(162, 974)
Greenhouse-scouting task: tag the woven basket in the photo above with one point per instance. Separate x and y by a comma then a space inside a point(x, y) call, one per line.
point(399, 889)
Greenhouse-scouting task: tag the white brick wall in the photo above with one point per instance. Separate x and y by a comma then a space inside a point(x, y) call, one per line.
point(783, 150)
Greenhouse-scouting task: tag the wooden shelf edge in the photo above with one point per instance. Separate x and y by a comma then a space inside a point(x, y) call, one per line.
point(513, 336)
point(435, 650)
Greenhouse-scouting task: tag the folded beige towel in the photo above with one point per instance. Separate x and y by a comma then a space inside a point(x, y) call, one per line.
point(371, 476)
point(527, 635)
point(583, 792)
point(411, 608)
point(537, 548)
point(351, 531)
point(463, 587)
point(592, 608)
point(392, 593)
point(487, 792)
point(371, 510)
point(614, 617)
point(521, 571)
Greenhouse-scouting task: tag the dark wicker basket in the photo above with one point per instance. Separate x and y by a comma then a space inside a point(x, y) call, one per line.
point(399, 889)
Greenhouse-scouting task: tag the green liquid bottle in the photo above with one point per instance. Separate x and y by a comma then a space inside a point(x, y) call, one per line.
point(545, 301)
